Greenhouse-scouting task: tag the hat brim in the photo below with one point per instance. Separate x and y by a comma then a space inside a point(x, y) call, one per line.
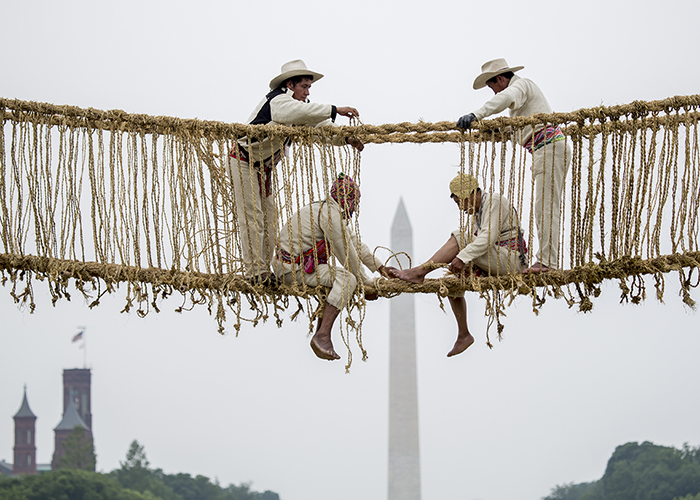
point(278, 80)
point(480, 81)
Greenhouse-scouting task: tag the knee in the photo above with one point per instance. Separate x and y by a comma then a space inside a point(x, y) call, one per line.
point(350, 282)
point(343, 288)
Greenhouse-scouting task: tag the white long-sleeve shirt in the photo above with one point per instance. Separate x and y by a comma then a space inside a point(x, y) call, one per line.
point(320, 220)
point(495, 221)
point(285, 110)
point(522, 97)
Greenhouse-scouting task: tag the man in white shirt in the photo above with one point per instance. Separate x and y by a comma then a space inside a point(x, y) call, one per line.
point(252, 160)
point(496, 248)
point(550, 150)
point(308, 243)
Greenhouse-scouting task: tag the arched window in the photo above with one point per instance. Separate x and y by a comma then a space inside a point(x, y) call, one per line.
point(29, 460)
point(29, 436)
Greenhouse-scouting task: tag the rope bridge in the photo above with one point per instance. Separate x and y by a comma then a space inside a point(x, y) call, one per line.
point(99, 199)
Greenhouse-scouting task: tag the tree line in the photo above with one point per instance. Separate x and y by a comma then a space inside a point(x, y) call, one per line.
point(75, 479)
point(641, 472)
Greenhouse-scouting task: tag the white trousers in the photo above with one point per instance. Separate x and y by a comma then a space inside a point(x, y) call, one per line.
point(497, 261)
point(550, 166)
point(257, 218)
point(341, 281)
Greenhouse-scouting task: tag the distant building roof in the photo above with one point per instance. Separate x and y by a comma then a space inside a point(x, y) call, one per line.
point(71, 419)
point(24, 410)
point(5, 468)
point(43, 467)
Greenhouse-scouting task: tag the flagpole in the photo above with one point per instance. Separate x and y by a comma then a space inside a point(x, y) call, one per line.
point(81, 336)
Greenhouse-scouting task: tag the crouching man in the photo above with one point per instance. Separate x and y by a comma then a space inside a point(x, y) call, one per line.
point(306, 243)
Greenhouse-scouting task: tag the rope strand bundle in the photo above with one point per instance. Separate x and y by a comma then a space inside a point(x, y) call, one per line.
point(103, 198)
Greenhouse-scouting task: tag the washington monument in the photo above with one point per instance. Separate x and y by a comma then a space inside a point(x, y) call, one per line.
point(404, 455)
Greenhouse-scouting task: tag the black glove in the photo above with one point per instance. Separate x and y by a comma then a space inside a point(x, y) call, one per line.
point(466, 121)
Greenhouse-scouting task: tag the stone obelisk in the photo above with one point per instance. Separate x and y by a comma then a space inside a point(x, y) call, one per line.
point(404, 455)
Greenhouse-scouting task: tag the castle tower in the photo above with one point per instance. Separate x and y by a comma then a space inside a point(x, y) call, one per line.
point(76, 388)
point(25, 446)
point(68, 423)
point(404, 456)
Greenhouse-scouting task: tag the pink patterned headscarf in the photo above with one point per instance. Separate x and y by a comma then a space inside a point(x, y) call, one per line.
point(345, 191)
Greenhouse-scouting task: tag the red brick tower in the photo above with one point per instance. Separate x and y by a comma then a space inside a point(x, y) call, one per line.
point(76, 388)
point(68, 423)
point(25, 446)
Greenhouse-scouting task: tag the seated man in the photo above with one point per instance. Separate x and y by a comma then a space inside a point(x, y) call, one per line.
point(498, 247)
point(320, 230)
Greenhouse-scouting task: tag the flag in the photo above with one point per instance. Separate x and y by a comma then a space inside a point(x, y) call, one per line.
point(78, 336)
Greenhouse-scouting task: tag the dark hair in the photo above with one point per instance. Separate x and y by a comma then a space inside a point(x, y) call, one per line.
point(507, 74)
point(453, 196)
point(297, 79)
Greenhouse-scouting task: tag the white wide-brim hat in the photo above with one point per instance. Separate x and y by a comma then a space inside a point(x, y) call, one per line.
point(293, 68)
point(491, 69)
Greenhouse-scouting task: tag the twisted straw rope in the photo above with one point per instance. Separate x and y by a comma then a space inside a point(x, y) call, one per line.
point(161, 205)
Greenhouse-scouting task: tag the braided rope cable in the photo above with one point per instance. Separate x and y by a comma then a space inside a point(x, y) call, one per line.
point(103, 198)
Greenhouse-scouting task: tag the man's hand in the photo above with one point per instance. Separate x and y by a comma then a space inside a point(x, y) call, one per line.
point(347, 111)
point(466, 121)
point(355, 143)
point(371, 295)
point(456, 266)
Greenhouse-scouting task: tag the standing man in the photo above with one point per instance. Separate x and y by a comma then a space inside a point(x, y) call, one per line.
point(252, 161)
point(318, 232)
point(550, 149)
point(498, 247)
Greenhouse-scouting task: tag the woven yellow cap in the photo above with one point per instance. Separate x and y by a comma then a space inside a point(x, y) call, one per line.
point(463, 185)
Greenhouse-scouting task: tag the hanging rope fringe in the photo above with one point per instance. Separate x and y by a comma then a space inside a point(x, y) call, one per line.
point(103, 198)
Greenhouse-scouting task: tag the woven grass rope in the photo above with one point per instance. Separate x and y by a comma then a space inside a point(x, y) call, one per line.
point(95, 201)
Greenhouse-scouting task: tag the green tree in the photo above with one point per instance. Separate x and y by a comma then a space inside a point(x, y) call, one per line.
point(641, 472)
point(650, 472)
point(189, 488)
point(243, 492)
point(201, 488)
point(134, 474)
point(269, 495)
point(79, 451)
point(135, 457)
point(67, 484)
point(573, 491)
point(690, 454)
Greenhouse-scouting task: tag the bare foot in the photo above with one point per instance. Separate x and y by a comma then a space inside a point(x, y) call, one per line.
point(463, 341)
point(536, 268)
point(390, 272)
point(413, 275)
point(323, 347)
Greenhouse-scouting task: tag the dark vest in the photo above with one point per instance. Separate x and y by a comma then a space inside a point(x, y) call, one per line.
point(264, 116)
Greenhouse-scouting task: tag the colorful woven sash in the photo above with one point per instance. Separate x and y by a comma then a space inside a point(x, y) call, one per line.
point(306, 259)
point(543, 137)
point(264, 175)
point(517, 244)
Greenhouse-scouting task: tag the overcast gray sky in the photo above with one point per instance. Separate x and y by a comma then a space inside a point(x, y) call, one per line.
point(546, 406)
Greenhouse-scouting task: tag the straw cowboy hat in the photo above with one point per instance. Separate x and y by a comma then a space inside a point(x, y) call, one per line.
point(293, 68)
point(491, 69)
